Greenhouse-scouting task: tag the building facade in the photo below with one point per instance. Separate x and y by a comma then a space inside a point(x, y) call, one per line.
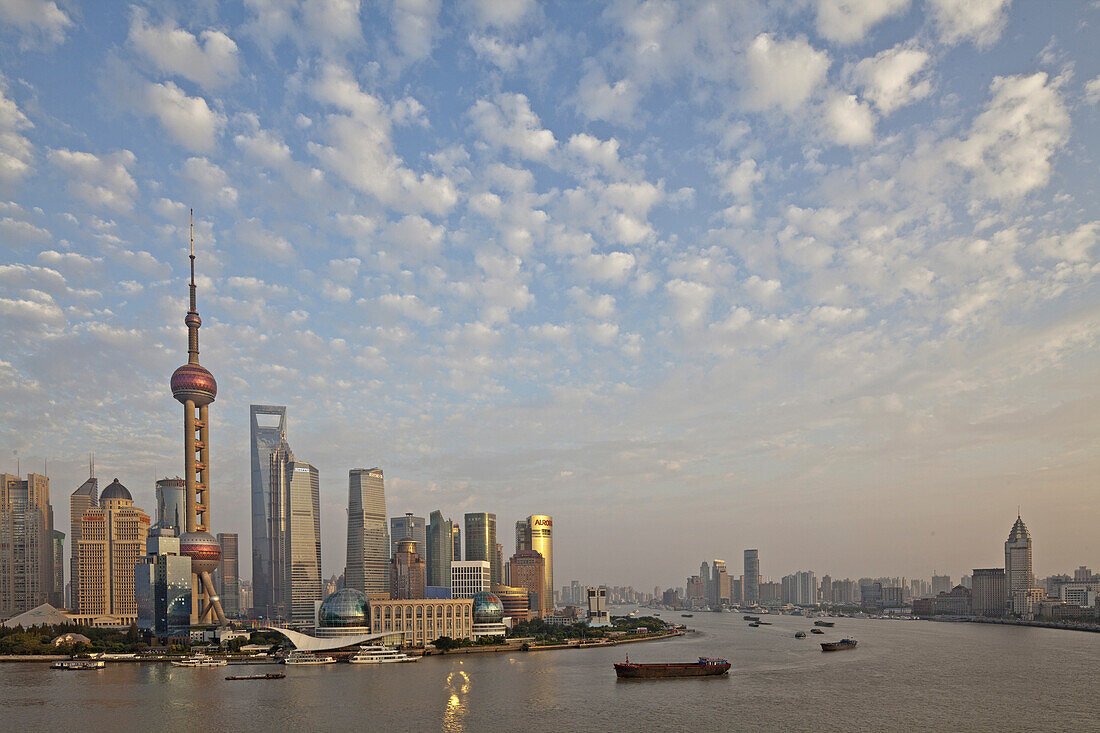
point(481, 542)
point(227, 577)
point(423, 621)
point(1018, 573)
point(172, 504)
point(750, 582)
point(988, 591)
point(112, 542)
point(162, 587)
point(368, 553)
point(440, 550)
point(26, 543)
point(303, 541)
point(84, 498)
point(537, 534)
point(527, 569)
point(410, 528)
point(597, 607)
point(408, 574)
point(267, 432)
point(470, 577)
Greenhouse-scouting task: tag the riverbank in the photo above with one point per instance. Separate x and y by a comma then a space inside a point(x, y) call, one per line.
point(573, 644)
point(1063, 625)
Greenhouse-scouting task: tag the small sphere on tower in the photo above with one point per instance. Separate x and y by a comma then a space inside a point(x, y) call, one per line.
point(194, 382)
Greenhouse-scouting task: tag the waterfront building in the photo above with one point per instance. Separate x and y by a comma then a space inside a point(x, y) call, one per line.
point(227, 574)
point(408, 527)
point(941, 584)
point(769, 593)
point(368, 552)
point(488, 616)
point(303, 540)
point(112, 542)
point(955, 602)
point(597, 607)
point(407, 572)
point(84, 498)
point(527, 569)
point(516, 602)
point(1018, 573)
point(870, 593)
point(162, 587)
point(695, 591)
point(1079, 594)
point(750, 582)
point(536, 533)
point(26, 543)
point(708, 582)
point(171, 496)
point(267, 435)
point(470, 577)
point(481, 542)
point(440, 550)
point(988, 592)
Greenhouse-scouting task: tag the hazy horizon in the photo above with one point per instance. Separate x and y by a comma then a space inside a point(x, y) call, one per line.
point(817, 278)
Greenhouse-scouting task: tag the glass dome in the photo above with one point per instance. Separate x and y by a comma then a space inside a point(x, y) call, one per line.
point(344, 608)
point(487, 608)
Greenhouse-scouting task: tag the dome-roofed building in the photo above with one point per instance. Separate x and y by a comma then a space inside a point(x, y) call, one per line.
point(347, 611)
point(488, 615)
point(116, 491)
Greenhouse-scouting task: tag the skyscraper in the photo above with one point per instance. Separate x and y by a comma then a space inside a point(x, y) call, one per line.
point(408, 576)
point(26, 543)
point(228, 584)
point(172, 504)
point(57, 600)
point(750, 584)
point(162, 586)
point(279, 493)
point(303, 585)
point(989, 594)
point(481, 542)
point(1018, 574)
point(194, 387)
point(537, 533)
point(469, 577)
point(268, 515)
point(112, 543)
point(720, 583)
point(527, 569)
point(440, 550)
point(408, 527)
point(456, 535)
point(84, 498)
point(368, 556)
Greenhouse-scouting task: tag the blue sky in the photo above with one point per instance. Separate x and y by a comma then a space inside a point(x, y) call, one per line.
point(813, 277)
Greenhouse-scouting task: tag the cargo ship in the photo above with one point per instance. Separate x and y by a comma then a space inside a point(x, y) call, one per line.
point(705, 667)
point(826, 624)
point(836, 646)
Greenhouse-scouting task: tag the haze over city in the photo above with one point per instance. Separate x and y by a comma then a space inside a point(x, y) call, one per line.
point(690, 279)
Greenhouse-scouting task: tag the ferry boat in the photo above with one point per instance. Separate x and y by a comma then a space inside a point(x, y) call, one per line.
point(303, 658)
point(380, 655)
point(836, 646)
point(705, 667)
point(77, 665)
point(200, 660)
point(826, 624)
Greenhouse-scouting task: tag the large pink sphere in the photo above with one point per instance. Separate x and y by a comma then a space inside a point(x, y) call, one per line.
point(194, 382)
point(203, 550)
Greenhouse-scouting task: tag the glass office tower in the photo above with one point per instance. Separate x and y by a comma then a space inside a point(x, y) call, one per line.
point(268, 431)
point(440, 552)
point(408, 527)
point(750, 584)
point(368, 558)
point(303, 541)
point(481, 542)
point(226, 578)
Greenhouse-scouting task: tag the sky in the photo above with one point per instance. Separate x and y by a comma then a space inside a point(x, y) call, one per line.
point(817, 277)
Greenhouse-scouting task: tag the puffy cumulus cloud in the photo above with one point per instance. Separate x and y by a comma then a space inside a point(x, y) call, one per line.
point(264, 243)
point(415, 239)
point(415, 25)
point(15, 232)
point(1073, 247)
point(739, 180)
point(761, 290)
point(889, 79)
point(599, 153)
point(1010, 144)
point(509, 122)
point(782, 73)
point(690, 301)
point(360, 148)
point(210, 60)
point(598, 305)
point(1092, 90)
point(264, 147)
point(327, 25)
point(847, 21)
point(509, 55)
point(612, 267)
point(849, 121)
point(501, 13)
point(410, 306)
point(599, 99)
point(980, 21)
point(210, 182)
point(16, 151)
point(34, 309)
point(39, 21)
point(101, 181)
point(189, 120)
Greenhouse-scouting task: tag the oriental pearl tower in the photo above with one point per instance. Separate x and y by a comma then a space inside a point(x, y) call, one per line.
point(194, 386)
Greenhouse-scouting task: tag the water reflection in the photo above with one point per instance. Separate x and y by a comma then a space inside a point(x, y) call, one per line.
point(458, 684)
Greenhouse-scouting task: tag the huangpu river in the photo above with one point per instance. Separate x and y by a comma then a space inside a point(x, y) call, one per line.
point(904, 676)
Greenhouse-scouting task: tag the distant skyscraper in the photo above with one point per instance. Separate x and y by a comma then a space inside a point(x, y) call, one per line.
point(81, 500)
point(58, 598)
point(408, 575)
point(1018, 574)
point(408, 527)
point(989, 594)
point(267, 514)
point(26, 543)
point(228, 579)
point(941, 584)
point(523, 537)
point(720, 583)
point(481, 542)
point(527, 569)
point(163, 586)
point(303, 540)
point(112, 542)
point(750, 584)
point(440, 550)
point(279, 533)
point(456, 535)
point(537, 533)
point(368, 555)
point(172, 505)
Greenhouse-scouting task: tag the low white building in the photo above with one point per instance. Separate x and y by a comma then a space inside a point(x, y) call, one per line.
point(469, 577)
point(597, 607)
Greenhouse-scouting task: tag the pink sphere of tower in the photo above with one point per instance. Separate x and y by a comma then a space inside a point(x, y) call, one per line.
point(194, 382)
point(203, 550)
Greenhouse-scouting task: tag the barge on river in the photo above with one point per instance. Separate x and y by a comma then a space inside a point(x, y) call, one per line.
point(705, 667)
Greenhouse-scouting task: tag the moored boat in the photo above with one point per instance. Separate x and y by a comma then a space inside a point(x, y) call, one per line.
point(380, 655)
point(306, 658)
point(836, 646)
point(826, 624)
point(78, 665)
point(705, 667)
point(200, 660)
point(269, 676)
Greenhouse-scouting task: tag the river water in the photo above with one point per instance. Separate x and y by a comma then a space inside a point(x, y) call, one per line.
point(904, 676)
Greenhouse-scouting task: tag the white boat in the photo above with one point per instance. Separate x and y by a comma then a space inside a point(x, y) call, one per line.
point(79, 664)
point(307, 658)
point(200, 660)
point(380, 655)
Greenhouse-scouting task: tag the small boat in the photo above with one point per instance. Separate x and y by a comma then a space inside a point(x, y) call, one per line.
point(836, 646)
point(751, 618)
point(269, 676)
point(79, 665)
point(705, 667)
point(765, 623)
point(816, 631)
point(306, 658)
point(200, 660)
point(754, 624)
point(687, 615)
point(826, 624)
point(380, 655)
point(800, 634)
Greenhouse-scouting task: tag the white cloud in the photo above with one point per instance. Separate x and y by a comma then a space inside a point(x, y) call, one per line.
point(189, 120)
point(761, 290)
point(509, 122)
point(415, 238)
point(599, 305)
point(16, 151)
point(690, 301)
point(101, 181)
point(980, 21)
point(888, 80)
point(601, 153)
point(598, 99)
point(264, 243)
point(210, 182)
point(1075, 246)
point(847, 21)
point(1011, 143)
point(849, 121)
point(611, 267)
point(264, 148)
point(209, 60)
point(14, 232)
point(1092, 90)
point(783, 73)
point(739, 181)
point(415, 26)
point(36, 309)
point(501, 13)
point(41, 21)
point(410, 306)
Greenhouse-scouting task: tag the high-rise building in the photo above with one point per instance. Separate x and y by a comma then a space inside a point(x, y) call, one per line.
point(84, 498)
point(988, 595)
point(1018, 574)
point(470, 577)
point(172, 504)
point(750, 583)
point(941, 584)
point(523, 537)
point(440, 550)
point(720, 583)
point(303, 585)
point(408, 527)
point(162, 586)
point(408, 576)
point(708, 581)
point(227, 575)
point(57, 599)
point(481, 542)
point(456, 535)
point(267, 435)
point(597, 607)
point(527, 569)
point(537, 533)
point(26, 543)
point(368, 555)
point(112, 543)
point(194, 387)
